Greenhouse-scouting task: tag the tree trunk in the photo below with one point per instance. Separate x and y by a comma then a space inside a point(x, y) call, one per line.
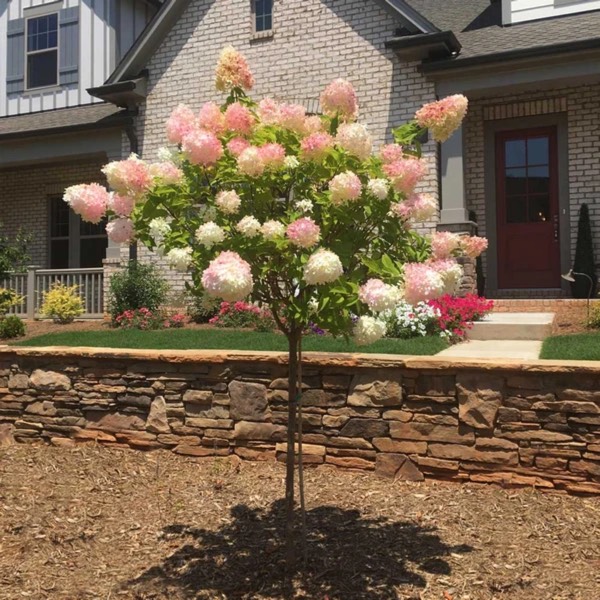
point(290, 546)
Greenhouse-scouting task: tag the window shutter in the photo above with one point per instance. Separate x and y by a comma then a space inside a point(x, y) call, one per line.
point(15, 57)
point(68, 49)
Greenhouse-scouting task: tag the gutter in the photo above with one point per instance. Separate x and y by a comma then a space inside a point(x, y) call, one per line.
point(127, 94)
point(429, 46)
point(442, 66)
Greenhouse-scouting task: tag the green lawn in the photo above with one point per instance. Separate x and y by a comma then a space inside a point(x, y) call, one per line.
point(201, 339)
point(581, 346)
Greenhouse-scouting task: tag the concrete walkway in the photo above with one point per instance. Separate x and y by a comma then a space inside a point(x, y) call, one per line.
point(515, 349)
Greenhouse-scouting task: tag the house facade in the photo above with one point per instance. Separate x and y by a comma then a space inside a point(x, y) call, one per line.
point(523, 162)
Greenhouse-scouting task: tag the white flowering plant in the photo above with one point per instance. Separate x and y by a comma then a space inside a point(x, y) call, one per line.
point(407, 321)
point(262, 202)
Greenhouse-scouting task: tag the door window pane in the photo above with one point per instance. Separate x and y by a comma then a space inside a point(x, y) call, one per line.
point(515, 153)
point(537, 151)
point(516, 181)
point(539, 209)
point(516, 209)
point(538, 180)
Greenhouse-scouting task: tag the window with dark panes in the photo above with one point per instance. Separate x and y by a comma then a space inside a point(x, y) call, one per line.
point(263, 15)
point(73, 242)
point(42, 51)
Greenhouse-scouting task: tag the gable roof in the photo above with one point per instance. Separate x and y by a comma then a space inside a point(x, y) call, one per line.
point(477, 25)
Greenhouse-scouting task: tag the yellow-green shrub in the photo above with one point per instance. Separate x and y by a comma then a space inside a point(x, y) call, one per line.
point(8, 299)
point(62, 303)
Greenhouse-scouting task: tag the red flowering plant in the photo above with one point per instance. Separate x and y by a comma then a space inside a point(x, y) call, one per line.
point(457, 314)
point(175, 321)
point(140, 318)
point(243, 314)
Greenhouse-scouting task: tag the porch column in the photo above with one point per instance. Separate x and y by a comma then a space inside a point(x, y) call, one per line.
point(454, 200)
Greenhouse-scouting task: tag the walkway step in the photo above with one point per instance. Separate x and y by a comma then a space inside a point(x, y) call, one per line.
point(501, 349)
point(512, 326)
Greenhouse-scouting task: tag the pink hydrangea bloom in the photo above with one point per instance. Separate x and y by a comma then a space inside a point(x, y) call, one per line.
point(130, 177)
point(181, 122)
point(228, 277)
point(405, 173)
point(345, 187)
point(390, 153)
point(303, 232)
point(239, 119)
point(250, 162)
point(473, 245)
point(379, 296)
point(228, 202)
point(202, 148)
point(211, 118)
point(237, 145)
point(423, 207)
point(273, 155)
point(444, 244)
point(89, 201)
point(355, 139)
point(121, 205)
point(166, 173)
point(443, 117)
point(450, 272)
point(269, 111)
point(315, 146)
point(421, 282)
point(313, 124)
point(292, 116)
point(339, 98)
point(233, 71)
point(120, 231)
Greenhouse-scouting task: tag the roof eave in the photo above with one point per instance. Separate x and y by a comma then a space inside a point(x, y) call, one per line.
point(409, 14)
point(441, 45)
point(127, 94)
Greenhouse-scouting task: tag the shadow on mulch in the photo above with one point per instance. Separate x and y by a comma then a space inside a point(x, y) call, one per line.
point(350, 556)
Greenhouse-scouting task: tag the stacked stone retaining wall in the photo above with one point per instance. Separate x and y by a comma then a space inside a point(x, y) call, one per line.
point(512, 424)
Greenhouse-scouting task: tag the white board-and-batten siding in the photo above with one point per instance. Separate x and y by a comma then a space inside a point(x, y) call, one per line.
point(93, 36)
point(518, 11)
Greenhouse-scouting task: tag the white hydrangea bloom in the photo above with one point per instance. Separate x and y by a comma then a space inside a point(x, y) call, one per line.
point(355, 139)
point(291, 162)
point(379, 188)
point(209, 234)
point(305, 206)
point(158, 230)
point(228, 202)
point(368, 330)
point(249, 226)
point(180, 258)
point(272, 230)
point(322, 267)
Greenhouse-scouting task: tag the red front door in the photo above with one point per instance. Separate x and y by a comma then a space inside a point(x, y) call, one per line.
point(527, 204)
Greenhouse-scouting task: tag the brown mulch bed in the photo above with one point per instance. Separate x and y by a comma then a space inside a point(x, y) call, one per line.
point(93, 523)
point(42, 327)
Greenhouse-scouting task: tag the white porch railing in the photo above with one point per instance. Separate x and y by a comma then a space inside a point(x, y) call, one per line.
point(32, 285)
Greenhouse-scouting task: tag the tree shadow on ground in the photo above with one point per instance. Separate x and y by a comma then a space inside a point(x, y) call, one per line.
point(350, 556)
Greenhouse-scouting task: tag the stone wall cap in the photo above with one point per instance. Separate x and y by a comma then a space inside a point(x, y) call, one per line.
point(346, 360)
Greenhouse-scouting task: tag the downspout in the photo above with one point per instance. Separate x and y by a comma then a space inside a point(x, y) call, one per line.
point(133, 148)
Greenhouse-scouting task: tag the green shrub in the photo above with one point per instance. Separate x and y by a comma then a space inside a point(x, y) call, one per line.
point(138, 286)
point(13, 253)
point(584, 257)
point(594, 320)
point(11, 327)
point(8, 299)
point(62, 303)
point(201, 308)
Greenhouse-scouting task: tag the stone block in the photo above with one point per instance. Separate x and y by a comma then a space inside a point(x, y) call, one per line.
point(18, 381)
point(334, 422)
point(429, 432)
point(397, 466)
point(479, 398)
point(585, 467)
point(363, 413)
point(248, 401)
point(204, 411)
point(386, 444)
point(49, 380)
point(550, 463)
point(141, 402)
point(429, 464)
point(249, 430)
point(436, 385)
point(346, 442)
point(312, 449)
point(568, 406)
point(93, 435)
point(365, 428)
point(398, 415)
point(511, 479)
point(495, 444)
point(62, 442)
point(209, 423)
point(509, 415)
point(350, 463)
point(541, 435)
point(200, 451)
point(336, 382)
point(371, 390)
point(472, 454)
point(157, 421)
point(255, 453)
point(6, 434)
point(168, 439)
point(44, 409)
point(113, 421)
point(198, 397)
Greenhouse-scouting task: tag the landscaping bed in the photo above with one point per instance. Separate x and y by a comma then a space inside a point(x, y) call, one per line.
point(94, 523)
point(582, 346)
point(205, 337)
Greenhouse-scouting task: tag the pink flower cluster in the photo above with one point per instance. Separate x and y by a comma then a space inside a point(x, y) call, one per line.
point(89, 201)
point(130, 177)
point(443, 117)
point(405, 173)
point(239, 119)
point(316, 146)
point(379, 296)
point(121, 205)
point(473, 245)
point(303, 232)
point(166, 173)
point(202, 148)
point(228, 276)
point(237, 145)
point(391, 153)
point(250, 162)
point(269, 111)
point(233, 71)
point(292, 117)
point(211, 118)
point(181, 122)
point(339, 99)
point(355, 139)
point(120, 231)
point(444, 244)
point(272, 155)
point(418, 208)
point(345, 187)
point(421, 282)
point(450, 272)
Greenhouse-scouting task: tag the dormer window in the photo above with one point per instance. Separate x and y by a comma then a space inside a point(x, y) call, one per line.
point(42, 51)
point(263, 15)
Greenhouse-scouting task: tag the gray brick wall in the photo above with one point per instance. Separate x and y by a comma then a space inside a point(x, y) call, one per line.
point(314, 42)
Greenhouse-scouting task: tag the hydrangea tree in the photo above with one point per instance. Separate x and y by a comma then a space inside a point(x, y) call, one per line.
point(295, 212)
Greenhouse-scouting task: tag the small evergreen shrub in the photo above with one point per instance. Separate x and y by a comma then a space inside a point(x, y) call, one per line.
point(62, 303)
point(11, 327)
point(584, 257)
point(201, 308)
point(138, 286)
point(594, 321)
point(13, 252)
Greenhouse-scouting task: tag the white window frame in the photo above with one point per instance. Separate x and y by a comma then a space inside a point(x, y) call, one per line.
point(28, 53)
point(266, 33)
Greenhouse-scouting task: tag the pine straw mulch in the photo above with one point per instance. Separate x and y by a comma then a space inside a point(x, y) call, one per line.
point(93, 523)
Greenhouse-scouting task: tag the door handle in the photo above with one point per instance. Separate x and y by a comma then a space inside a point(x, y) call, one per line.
point(556, 229)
